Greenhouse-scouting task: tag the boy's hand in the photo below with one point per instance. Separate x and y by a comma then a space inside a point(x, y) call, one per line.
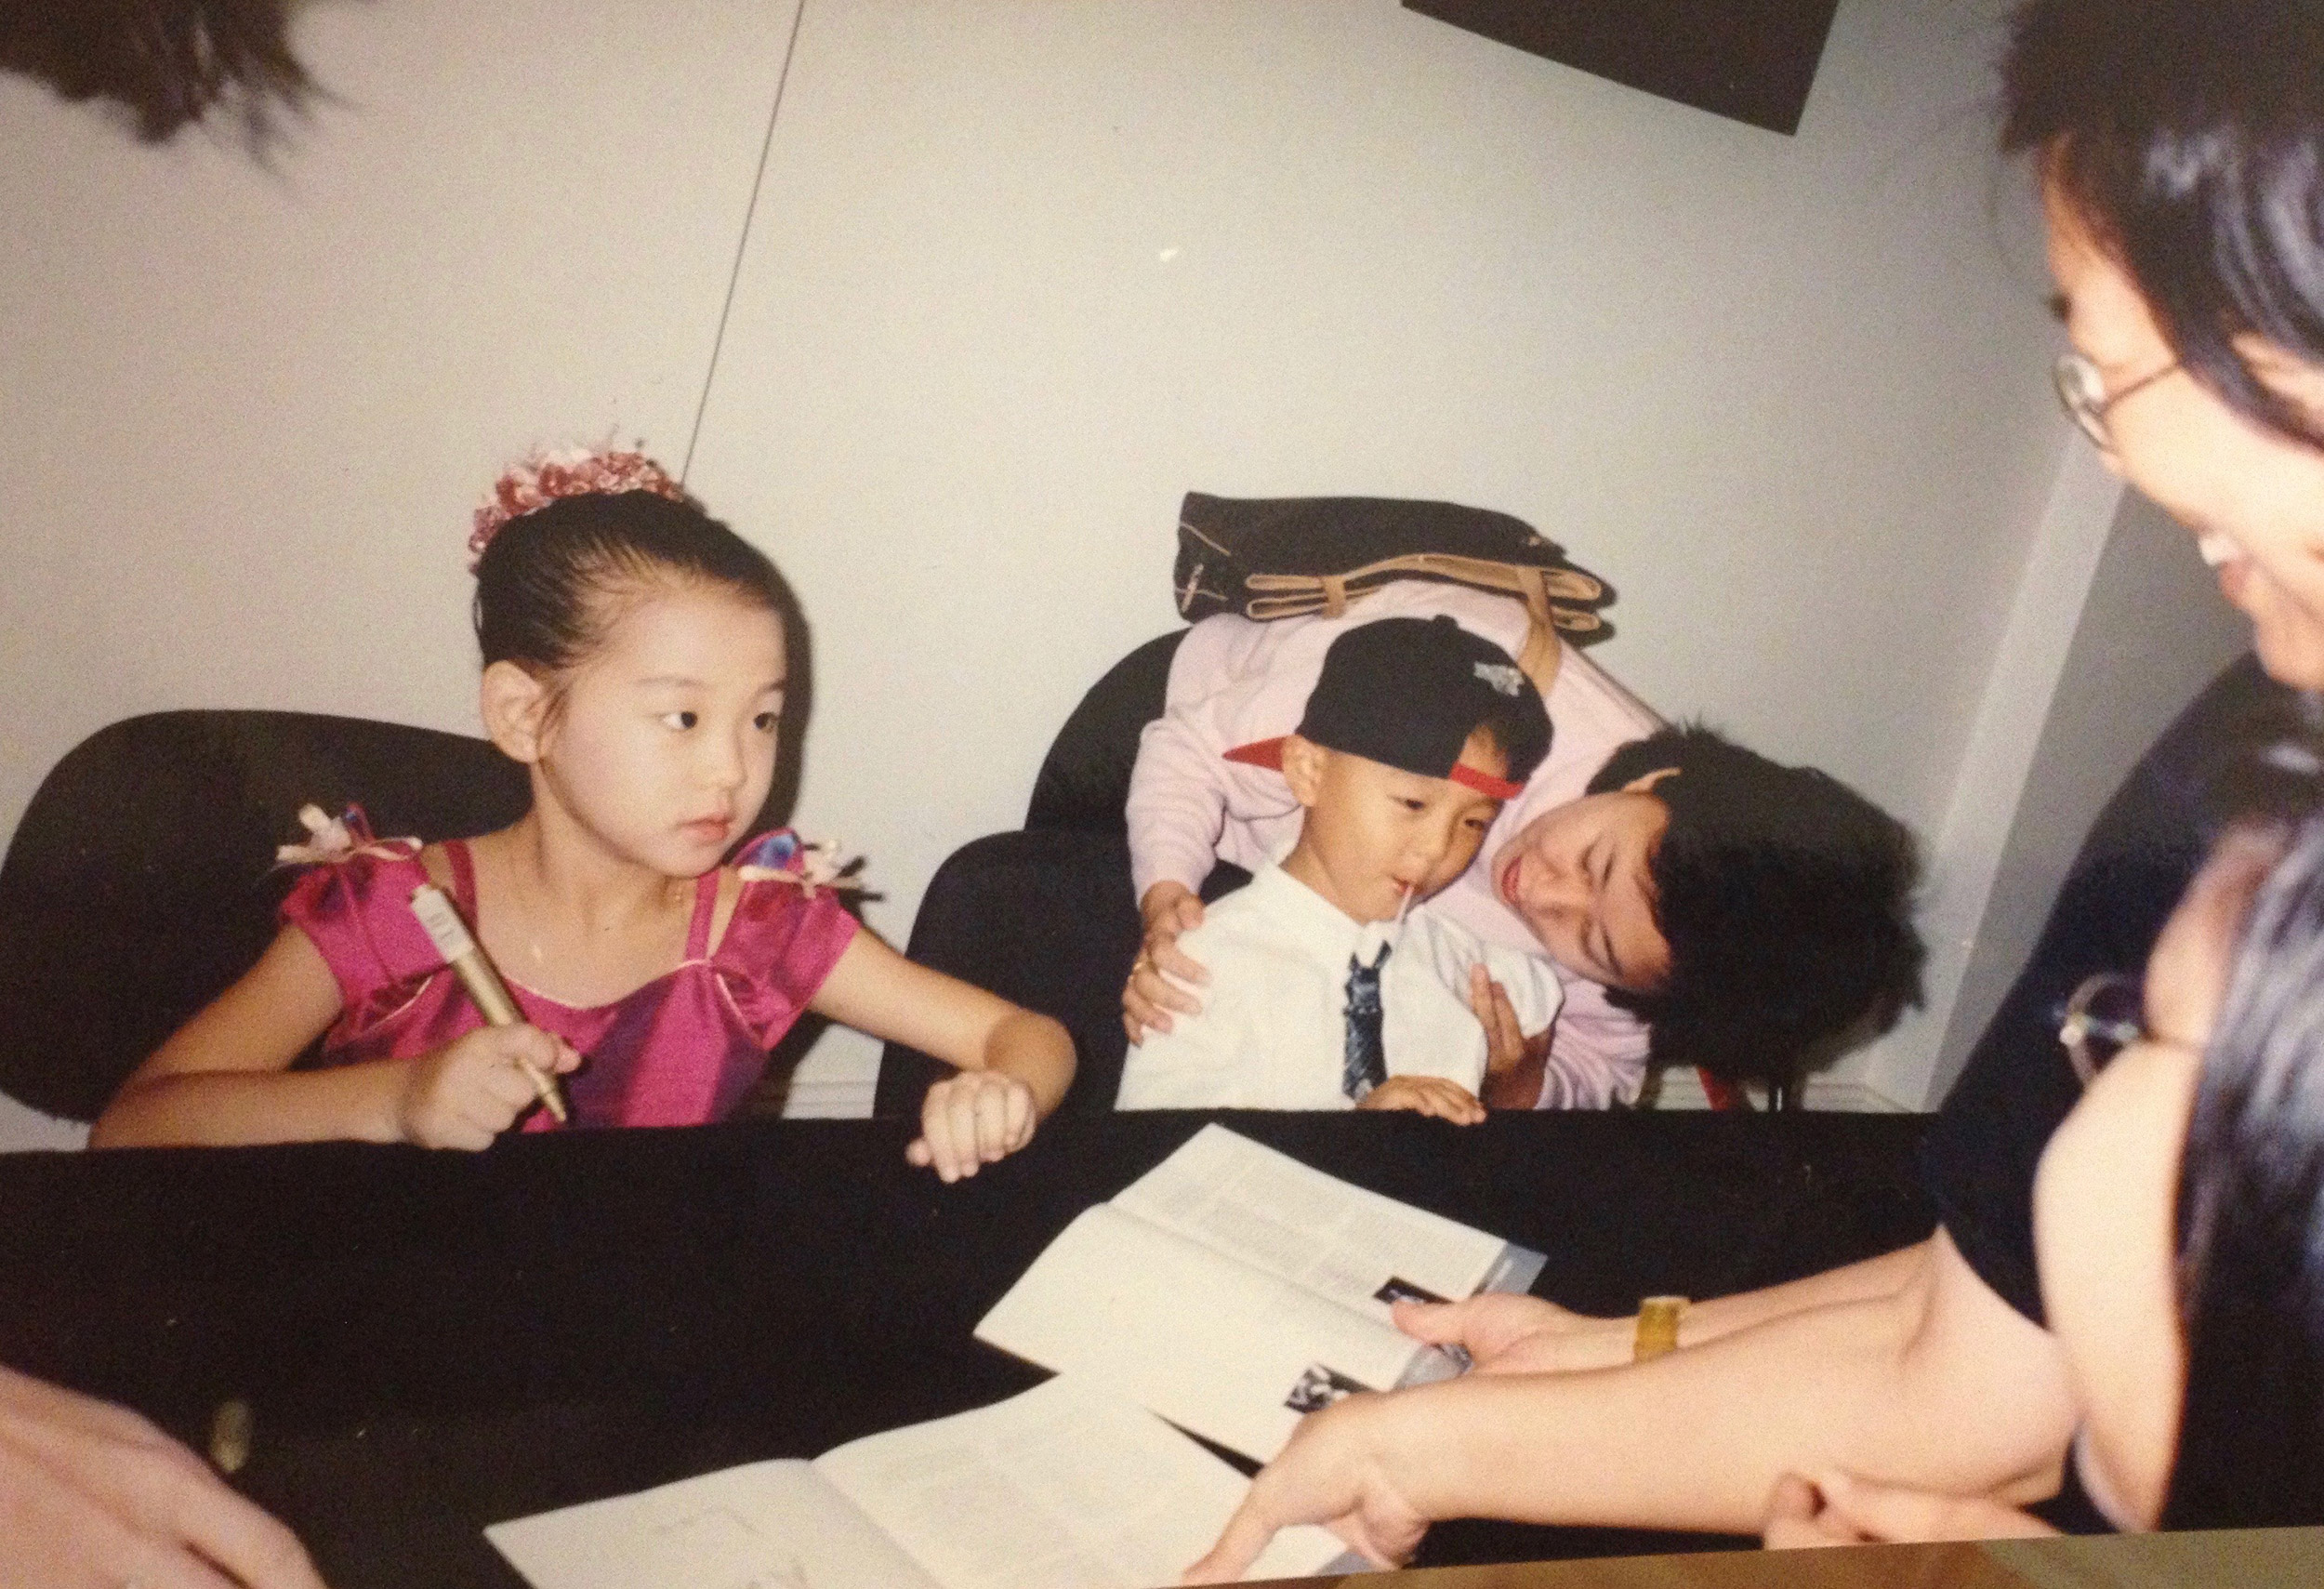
point(1514, 1062)
point(473, 1088)
point(1149, 996)
point(970, 1119)
point(1427, 1095)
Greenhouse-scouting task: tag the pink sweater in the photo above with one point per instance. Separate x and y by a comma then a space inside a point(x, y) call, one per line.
point(1233, 681)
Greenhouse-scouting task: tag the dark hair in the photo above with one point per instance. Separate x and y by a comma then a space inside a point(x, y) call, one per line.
point(548, 582)
point(168, 62)
point(1785, 898)
point(2188, 136)
point(1519, 728)
point(2250, 1226)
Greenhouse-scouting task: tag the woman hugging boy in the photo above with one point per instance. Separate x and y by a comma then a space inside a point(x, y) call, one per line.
point(1696, 903)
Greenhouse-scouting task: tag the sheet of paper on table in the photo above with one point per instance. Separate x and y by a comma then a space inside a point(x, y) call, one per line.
point(1233, 1290)
point(1065, 1487)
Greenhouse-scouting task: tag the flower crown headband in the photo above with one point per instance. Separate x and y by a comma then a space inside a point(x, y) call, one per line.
point(544, 477)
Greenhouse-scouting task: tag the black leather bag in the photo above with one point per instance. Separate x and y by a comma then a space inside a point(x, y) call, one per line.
point(1287, 556)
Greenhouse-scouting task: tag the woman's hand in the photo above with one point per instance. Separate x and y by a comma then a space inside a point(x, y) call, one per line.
point(970, 1119)
point(472, 1088)
point(1340, 1469)
point(1836, 1508)
point(1427, 1095)
point(93, 1497)
point(1505, 1334)
point(1150, 995)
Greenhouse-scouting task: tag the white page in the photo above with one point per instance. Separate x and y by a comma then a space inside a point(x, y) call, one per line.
point(1340, 1241)
point(772, 1525)
point(1211, 1345)
point(1065, 1487)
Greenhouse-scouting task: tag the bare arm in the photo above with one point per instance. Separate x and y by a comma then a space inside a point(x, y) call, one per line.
point(224, 1078)
point(1516, 1334)
point(1939, 1385)
point(1015, 1066)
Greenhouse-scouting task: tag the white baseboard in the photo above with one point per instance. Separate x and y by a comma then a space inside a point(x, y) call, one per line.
point(24, 1129)
point(1678, 1087)
point(836, 1078)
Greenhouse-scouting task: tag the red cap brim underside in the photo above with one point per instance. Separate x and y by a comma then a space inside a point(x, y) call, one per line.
point(1268, 753)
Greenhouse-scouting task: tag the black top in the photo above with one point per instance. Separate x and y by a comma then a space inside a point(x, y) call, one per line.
point(1979, 1156)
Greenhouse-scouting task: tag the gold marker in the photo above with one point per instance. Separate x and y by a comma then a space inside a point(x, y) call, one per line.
point(450, 935)
point(231, 1429)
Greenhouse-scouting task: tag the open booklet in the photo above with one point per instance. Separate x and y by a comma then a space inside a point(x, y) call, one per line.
point(1233, 1290)
point(1065, 1487)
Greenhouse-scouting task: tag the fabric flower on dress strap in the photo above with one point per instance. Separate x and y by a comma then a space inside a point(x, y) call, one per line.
point(783, 857)
point(333, 840)
point(544, 477)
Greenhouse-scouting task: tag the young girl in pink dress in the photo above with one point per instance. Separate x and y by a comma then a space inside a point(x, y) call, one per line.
point(633, 656)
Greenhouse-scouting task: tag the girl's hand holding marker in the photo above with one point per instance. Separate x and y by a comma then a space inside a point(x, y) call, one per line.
point(432, 1103)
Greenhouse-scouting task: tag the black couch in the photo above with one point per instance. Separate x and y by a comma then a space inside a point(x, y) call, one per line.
point(141, 883)
point(1045, 916)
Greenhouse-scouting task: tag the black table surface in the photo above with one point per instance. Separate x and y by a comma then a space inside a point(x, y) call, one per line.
point(431, 1341)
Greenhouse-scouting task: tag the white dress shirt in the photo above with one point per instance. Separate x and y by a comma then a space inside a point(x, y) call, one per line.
point(1273, 1031)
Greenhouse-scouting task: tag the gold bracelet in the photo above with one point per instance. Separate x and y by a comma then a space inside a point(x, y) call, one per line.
point(1657, 1327)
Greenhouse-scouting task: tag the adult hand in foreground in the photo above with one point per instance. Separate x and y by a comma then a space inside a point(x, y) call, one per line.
point(1341, 1469)
point(94, 1497)
point(1150, 994)
point(1836, 1508)
point(1506, 1334)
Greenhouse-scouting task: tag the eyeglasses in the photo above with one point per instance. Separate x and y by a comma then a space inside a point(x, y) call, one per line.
point(2082, 393)
point(2105, 1015)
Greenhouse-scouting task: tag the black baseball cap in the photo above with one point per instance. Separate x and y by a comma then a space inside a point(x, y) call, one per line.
point(1409, 693)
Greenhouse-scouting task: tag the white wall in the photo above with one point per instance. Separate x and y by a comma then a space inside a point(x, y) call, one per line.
point(1021, 273)
point(1024, 273)
point(2152, 633)
point(248, 410)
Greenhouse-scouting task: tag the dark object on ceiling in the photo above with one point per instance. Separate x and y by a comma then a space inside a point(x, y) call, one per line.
point(162, 63)
point(1751, 59)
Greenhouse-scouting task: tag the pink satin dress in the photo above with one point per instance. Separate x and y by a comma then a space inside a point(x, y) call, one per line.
point(682, 1050)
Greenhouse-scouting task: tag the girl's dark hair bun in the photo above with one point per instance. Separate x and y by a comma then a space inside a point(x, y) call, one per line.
point(565, 535)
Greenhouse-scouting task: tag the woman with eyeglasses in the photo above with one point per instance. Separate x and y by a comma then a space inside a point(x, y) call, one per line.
point(2180, 149)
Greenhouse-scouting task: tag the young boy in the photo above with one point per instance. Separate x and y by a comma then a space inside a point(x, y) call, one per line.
point(1334, 984)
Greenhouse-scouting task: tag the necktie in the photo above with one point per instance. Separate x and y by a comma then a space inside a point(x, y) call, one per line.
point(1365, 1063)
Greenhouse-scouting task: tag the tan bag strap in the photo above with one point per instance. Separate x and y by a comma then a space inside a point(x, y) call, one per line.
point(1542, 655)
point(1557, 583)
point(1543, 590)
point(1533, 584)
